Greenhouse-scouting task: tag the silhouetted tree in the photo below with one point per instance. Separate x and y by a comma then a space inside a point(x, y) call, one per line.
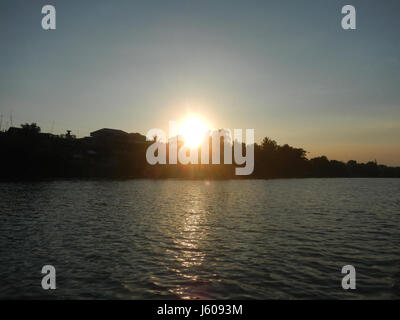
point(34, 155)
point(32, 128)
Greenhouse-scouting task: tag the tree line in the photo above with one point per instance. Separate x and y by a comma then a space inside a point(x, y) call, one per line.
point(27, 153)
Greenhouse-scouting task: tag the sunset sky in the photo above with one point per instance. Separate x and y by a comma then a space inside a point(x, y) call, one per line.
point(284, 68)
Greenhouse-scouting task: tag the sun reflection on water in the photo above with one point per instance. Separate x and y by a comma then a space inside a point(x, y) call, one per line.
point(187, 251)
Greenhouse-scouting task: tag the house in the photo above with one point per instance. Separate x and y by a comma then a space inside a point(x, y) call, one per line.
point(109, 134)
point(113, 134)
point(137, 138)
point(14, 130)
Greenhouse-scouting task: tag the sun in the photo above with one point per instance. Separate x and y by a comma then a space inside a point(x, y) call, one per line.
point(193, 130)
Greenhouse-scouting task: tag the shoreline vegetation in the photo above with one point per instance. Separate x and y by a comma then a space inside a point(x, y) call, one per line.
point(28, 154)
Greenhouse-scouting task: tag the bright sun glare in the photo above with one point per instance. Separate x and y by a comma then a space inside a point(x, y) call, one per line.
point(193, 130)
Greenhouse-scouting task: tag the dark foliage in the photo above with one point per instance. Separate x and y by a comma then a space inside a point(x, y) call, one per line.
point(26, 153)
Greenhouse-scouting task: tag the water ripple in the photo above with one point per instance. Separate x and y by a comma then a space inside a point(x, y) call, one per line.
point(247, 239)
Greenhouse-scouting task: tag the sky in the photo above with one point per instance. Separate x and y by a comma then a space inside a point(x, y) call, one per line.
point(284, 68)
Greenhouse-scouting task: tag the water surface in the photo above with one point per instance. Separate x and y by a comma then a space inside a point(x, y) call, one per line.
point(172, 239)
